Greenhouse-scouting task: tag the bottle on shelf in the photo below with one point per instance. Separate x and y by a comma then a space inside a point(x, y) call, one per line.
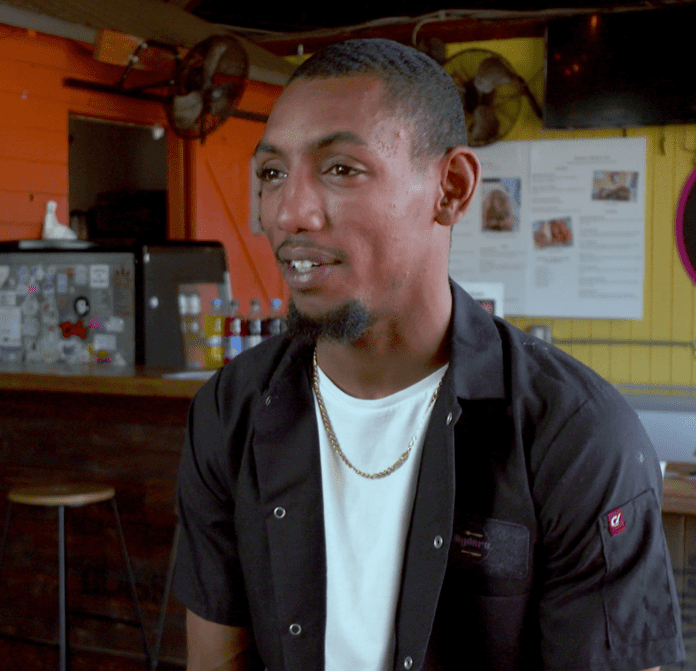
point(274, 322)
point(214, 329)
point(254, 325)
point(190, 312)
point(235, 331)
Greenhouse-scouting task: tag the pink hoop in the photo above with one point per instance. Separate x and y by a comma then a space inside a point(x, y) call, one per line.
point(679, 228)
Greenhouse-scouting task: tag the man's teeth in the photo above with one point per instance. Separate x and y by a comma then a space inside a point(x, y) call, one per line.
point(302, 266)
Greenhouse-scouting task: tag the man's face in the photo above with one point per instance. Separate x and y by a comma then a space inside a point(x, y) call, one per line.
point(348, 215)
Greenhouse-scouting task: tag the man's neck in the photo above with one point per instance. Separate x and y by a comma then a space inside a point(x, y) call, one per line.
point(393, 354)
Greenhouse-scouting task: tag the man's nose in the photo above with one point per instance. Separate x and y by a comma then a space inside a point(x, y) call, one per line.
point(299, 207)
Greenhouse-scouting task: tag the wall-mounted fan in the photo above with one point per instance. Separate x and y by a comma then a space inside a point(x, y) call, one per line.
point(200, 95)
point(208, 84)
point(491, 93)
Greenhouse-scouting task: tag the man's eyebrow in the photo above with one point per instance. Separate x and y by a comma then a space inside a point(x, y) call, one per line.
point(338, 137)
point(341, 136)
point(266, 148)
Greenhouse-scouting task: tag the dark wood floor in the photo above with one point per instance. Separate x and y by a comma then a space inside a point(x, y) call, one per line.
point(21, 654)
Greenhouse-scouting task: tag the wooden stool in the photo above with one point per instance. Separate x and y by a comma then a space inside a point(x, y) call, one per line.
point(165, 599)
point(72, 495)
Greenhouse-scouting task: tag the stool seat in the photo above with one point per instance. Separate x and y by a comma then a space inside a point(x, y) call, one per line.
point(69, 494)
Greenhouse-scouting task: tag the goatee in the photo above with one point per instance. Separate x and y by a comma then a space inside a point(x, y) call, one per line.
point(345, 324)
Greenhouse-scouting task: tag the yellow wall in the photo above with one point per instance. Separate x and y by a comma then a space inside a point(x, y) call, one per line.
point(668, 312)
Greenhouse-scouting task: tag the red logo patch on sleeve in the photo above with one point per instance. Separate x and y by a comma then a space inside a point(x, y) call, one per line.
point(617, 524)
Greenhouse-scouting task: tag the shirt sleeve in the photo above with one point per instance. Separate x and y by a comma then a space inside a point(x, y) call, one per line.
point(608, 598)
point(208, 577)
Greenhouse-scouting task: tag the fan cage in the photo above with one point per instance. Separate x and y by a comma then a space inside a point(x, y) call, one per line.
point(506, 99)
point(230, 75)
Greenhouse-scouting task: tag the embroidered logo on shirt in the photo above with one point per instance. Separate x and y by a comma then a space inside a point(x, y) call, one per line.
point(494, 547)
point(617, 524)
point(472, 543)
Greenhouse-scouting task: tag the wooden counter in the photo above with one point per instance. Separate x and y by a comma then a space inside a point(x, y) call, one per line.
point(96, 379)
point(121, 427)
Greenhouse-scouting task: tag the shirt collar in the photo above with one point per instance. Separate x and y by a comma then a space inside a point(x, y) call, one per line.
point(476, 355)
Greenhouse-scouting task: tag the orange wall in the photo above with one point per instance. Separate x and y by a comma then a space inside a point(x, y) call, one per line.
point(34, 109)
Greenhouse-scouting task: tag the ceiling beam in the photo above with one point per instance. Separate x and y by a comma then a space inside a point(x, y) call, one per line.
point(451, 31)
point(41, 23)
point(154, 20)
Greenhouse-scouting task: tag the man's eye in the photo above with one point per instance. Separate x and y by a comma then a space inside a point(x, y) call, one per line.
point(269, 174)
point(341, 170)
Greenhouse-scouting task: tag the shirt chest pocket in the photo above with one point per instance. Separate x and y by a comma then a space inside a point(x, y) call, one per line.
point(493, 554)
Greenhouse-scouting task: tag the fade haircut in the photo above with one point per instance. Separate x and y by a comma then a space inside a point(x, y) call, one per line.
point(417, 89)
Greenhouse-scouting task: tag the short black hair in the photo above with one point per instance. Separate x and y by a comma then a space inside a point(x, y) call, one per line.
point(417, 88)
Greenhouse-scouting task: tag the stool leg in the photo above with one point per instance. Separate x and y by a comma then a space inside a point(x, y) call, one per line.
point(62, 608)
point(4, 532)
point(165, 598)
point(131, 578)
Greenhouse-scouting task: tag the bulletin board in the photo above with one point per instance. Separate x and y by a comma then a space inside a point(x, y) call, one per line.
point(561, 223)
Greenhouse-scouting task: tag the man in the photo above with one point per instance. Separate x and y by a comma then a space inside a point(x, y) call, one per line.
point(407, 482)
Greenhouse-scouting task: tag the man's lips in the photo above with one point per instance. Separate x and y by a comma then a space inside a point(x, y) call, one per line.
point(306, 267)
point(293, 254)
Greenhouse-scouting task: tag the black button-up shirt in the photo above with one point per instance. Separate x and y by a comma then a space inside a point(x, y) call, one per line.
point(535, 539)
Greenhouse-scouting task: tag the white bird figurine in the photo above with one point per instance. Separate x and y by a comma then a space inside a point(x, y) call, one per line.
point(52, 228)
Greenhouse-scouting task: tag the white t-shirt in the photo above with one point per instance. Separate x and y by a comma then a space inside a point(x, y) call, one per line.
point(366, 521)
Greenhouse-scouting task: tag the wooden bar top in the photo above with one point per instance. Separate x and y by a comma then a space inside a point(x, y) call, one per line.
point(101, 379)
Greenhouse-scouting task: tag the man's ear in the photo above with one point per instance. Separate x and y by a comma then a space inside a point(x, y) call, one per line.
point(461, 174)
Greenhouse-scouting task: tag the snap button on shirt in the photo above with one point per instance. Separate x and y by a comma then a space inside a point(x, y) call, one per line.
point(438, 542)
point(295, 629)
point(279, 512)
point(268, 400)
point(408, 663)
point(449, 419)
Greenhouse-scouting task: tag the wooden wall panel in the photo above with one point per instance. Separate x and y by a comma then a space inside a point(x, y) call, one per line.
point(32, 114)
point(660, 212)
point(20, 175)
point(42, 145)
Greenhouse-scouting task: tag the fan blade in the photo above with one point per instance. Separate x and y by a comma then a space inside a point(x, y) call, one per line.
point(222, 100)
point(492, 73)
point(186, 109)
point(484, 127)
point(212, 58)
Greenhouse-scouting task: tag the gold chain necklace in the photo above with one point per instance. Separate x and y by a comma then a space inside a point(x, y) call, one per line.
point(334, 441)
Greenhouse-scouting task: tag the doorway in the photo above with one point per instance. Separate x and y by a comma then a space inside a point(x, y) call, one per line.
point(117, 179)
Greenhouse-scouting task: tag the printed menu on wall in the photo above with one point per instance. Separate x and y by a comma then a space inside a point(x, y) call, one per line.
point(561, 224)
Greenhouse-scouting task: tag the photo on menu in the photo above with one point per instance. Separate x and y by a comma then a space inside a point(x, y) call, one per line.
point(501, 204)
point(553, 233)
point(615, 185)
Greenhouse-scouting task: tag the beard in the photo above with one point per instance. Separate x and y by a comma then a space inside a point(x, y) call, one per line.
point(344, 324)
